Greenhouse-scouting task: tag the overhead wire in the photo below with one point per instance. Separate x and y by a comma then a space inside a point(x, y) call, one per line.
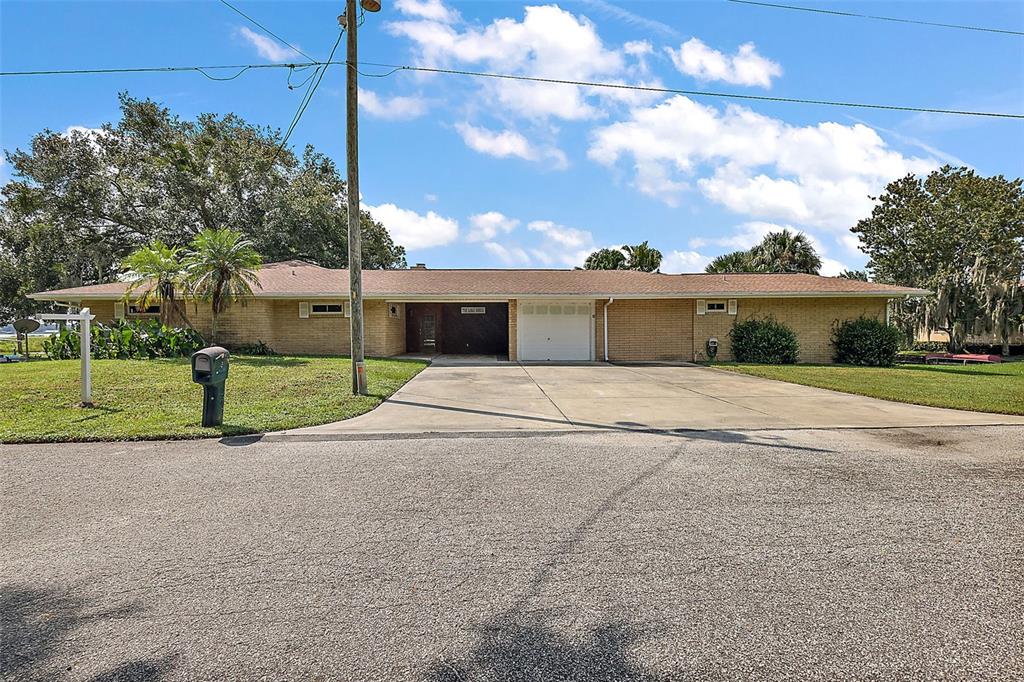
point(833, 12)
point(694, 93)
point(394, 68)
point(160, 69)
point(314, 83)
point(266, 30)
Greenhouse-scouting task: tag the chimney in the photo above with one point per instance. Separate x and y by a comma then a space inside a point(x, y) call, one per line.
point(419, 266)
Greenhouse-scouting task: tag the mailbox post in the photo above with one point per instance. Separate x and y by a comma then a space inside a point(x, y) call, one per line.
point(210, 369)
point(83, 318)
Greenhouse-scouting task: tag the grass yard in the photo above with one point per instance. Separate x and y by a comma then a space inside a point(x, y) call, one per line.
point(982, 388)
point(35, 344)
point(156, 399)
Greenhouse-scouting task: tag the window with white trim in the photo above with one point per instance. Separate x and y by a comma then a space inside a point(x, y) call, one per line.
point(716, 306)
point(327, 308)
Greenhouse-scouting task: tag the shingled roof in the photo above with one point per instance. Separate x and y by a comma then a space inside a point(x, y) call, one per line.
point(298, 279)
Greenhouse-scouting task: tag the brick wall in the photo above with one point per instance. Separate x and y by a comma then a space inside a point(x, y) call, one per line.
point(277, 324)
point(812, 319)
point(513, 330)
point(645, 330)
point(639, 330)
point(384, 335)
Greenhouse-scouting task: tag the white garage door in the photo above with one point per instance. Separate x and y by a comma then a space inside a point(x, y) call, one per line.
point(555, 330)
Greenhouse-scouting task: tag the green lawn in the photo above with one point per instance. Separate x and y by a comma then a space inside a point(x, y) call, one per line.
point(154, 399)
point(35, 343)
point(982, 388)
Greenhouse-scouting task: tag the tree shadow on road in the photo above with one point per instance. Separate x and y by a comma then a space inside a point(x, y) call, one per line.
point(521, 650)
point(35, 623)
point(520, 645)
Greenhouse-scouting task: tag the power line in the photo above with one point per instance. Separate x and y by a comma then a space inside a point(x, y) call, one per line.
point(314, 83)
point(160, 69)
point(483, 74)
point(266, 30)
point(876, 17)
point(695, 93)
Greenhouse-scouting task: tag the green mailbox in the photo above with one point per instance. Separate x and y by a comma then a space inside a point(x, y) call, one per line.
point(210, 369)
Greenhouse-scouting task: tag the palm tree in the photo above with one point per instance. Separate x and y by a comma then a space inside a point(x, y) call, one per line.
point(642, 257)
point(737, 261)
point(221, 268)
point(860, 275)
point(605, 259)
point(155, 273)
point(786, 251)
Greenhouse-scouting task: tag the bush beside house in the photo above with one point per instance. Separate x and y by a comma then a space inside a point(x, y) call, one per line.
point(866, 341)
point(765, 341)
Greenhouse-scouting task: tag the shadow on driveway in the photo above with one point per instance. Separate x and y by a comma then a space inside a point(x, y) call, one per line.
point(35, 623)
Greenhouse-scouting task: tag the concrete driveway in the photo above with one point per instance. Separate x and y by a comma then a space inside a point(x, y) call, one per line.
point(489, 397)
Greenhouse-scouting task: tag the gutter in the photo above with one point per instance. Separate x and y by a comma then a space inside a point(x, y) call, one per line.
point(500, 298)
point(608, 303)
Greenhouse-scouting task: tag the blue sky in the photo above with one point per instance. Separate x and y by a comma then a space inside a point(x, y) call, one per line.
point(474, 173)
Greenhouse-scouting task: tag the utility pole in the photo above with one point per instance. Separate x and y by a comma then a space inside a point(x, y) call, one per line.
point(355, 252)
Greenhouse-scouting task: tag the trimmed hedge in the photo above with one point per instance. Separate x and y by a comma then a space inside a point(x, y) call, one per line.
point(766, 342)
point(866, 341)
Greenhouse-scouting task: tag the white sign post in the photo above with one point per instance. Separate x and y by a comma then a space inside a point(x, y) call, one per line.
point(83, 317)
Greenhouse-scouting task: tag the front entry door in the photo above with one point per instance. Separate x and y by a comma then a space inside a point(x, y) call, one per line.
point(428, 332)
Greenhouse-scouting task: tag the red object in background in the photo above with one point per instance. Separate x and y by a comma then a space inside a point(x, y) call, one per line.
point(962, 357)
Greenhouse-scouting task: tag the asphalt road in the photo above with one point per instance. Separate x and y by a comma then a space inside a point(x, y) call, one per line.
point(888, 554)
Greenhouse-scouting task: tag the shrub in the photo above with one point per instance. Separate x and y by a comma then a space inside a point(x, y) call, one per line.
point(928, 346)
point(766, 341)
point(258, 348)
point(866, 341)
point(125, 340)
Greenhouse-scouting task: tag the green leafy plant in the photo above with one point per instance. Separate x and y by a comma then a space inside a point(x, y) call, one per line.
point(125, 340)
point(866, 341)
point(765, 341)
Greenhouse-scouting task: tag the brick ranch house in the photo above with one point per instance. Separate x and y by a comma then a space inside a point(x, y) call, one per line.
point(569, 315)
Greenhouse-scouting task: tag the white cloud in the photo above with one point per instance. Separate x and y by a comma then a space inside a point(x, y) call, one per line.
point(549, 41)
point(746, 235)
point(413, 230)
point(267, 48)
point(508, 255)
point(631, 18)
point(558, 245)
point(397, 108)
point(84, 130)
point(432, 198)
point(817, 175)
point(508, 143)
point(831, 267)
point(684, 261)
point(433, 10)
point(567, 237)
point(500, 144)
point(851, 243)
point(486, 226)
point(704, 63)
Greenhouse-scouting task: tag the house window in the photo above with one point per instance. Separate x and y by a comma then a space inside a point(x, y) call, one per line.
point(147, 310)
point(716, 306)
point(327, 309)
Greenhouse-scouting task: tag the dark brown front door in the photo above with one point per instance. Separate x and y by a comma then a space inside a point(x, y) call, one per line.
point(422, 327)
point(428, 332)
